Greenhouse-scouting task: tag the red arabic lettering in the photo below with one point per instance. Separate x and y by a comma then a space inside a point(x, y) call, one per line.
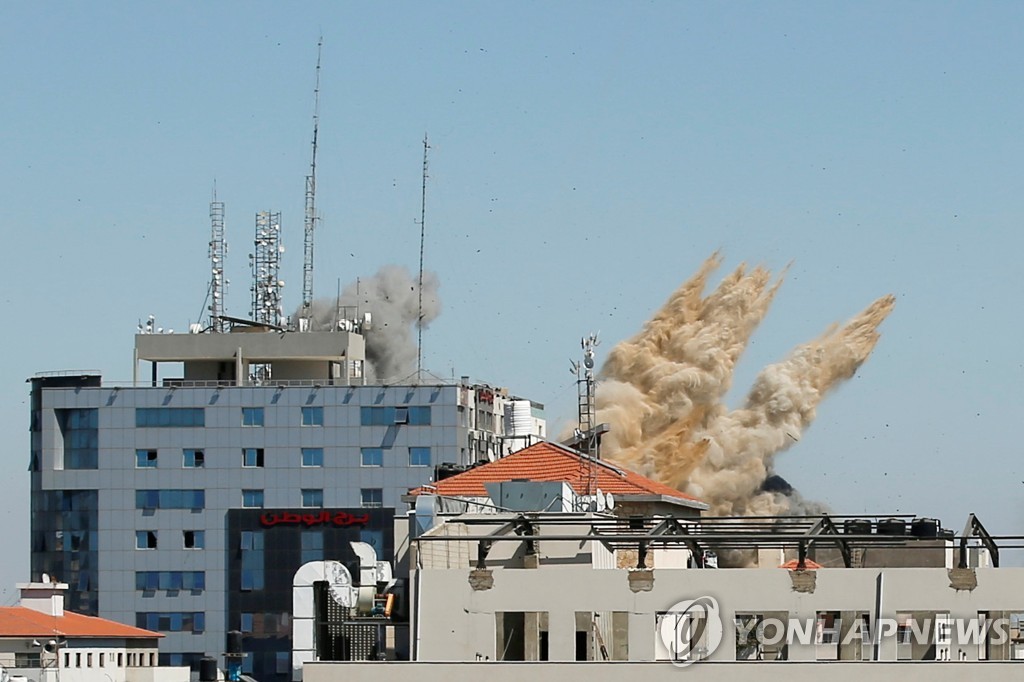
point(323, 517)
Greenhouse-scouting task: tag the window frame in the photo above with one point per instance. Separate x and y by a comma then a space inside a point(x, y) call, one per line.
point(152, 540)
point(258, 458)
point(253, 417)
point(198, 539)
point(419, 450)
point(198, 458)
point(146, 458)
point(317, 458)
point(364, 503)
point(371, 457)
point(253, 495)
point(316, 496)
point(312, 415)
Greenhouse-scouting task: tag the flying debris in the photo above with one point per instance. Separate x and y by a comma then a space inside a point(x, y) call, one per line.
point(662, 392)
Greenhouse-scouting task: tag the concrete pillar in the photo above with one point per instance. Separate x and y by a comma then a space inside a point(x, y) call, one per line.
point(641, 641)
point(561, 635)
point(618, 648)
point(241, 371)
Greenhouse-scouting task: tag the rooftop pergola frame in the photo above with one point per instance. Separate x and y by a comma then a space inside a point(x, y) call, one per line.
point(721, 533)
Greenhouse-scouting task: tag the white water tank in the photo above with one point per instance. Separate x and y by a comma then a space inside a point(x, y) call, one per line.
point(518, 418)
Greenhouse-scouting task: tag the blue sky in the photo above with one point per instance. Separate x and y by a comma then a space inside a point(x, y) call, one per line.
point(586, 157)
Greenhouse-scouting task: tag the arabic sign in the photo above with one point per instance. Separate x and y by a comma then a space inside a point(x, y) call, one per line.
point(321, 518)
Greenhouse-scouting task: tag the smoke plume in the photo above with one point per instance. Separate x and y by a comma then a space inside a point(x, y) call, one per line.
point(392, 297)
point(662, 393)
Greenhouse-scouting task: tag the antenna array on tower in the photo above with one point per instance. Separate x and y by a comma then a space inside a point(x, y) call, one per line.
point(267, 306)
point(311, 217)
point(218, 250)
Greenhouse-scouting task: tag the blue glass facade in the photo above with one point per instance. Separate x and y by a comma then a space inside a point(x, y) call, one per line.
point(182, 507)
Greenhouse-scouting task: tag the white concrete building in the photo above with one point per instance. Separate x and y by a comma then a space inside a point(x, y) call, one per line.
point(586, 595)
point(41, 642)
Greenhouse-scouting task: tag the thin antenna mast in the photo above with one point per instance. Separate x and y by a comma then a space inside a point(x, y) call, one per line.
point(311, 217)
point(423, 228)
point(218, 250)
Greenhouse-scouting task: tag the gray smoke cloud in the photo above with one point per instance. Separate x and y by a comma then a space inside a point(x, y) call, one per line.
point(392, 297)
point(662, 392)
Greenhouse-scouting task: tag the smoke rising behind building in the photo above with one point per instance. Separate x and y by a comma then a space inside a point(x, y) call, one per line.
point(662, 392)
point(391, 296)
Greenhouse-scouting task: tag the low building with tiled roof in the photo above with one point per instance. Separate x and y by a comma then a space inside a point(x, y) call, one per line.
point(590, 481)
point(40, 641)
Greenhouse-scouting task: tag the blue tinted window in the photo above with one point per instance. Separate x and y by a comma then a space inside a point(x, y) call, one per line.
point(252, 498)
point(80, 431)
point(252, 457)
point(252, 577)
point(195, 580)
point(312, 416)
point(374, 538)
point(372, 497)
point(377, 416)
point(419, 416)
point(145, 539)
point(145, 459)
point(312, 545)
point(170, 499)
point(419, 457)
point(372, 457)
point(252, 539)
point(193, 459)
point(312, 457)
point(171, 580)
point(147, 580)
point(171, 621)
point(193, 539)
point(252, 416)
point(312, 498)
point(386, 416)
point(169, 416)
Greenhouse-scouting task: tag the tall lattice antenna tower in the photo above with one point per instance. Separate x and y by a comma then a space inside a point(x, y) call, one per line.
point(311, 217)
point(267, 307)
point(423, 233)
point(218, 251)
point(588, 438)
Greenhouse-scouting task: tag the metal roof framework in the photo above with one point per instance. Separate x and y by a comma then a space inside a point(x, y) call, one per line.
point(716, 533)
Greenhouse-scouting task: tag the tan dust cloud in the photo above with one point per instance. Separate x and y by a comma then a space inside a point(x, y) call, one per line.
point(662, 392)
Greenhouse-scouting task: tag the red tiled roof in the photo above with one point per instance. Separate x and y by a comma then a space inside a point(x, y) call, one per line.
point(547, 461)
point(20, 621)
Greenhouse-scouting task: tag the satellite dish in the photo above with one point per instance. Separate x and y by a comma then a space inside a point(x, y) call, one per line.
point(600, 500)
point(609, 501)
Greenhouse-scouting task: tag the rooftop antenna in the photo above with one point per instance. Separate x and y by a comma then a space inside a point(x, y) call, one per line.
point(266, 266)
point(311, 217)
point(588, 435)
point(218, 250)
point(584, 373)
point(423, 228)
